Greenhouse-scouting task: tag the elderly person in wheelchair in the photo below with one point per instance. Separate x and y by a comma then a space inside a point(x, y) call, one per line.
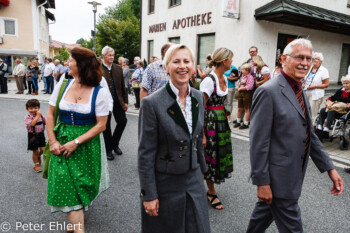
point(337, 106)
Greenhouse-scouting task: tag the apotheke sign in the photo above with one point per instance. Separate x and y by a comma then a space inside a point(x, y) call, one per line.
point(190, 21)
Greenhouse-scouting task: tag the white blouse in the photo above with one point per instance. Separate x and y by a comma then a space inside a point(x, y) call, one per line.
point(207, 86)
point(101, 105)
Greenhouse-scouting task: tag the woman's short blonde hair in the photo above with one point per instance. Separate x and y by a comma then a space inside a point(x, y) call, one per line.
point(259, 62)
point(247, 67)
point(219, 55)
point(172, 49)
point(345, 78)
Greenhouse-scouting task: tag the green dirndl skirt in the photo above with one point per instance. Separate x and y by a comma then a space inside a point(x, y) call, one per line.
point(74, 182)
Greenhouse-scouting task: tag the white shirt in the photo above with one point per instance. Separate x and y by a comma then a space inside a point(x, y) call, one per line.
point(104, 84)
point(101, 105)
point(321, 74)
point(349, 69)
point(19, 70)
point(49, 68)
point(188, 112)
point(207, 86)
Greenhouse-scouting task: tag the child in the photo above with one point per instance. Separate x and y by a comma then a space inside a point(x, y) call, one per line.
point(35, 123)
point(245, 89)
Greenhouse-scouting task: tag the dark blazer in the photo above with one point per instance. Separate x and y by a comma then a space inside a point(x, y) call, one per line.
point(165, 144)
point(118, 80)
point(277, 140)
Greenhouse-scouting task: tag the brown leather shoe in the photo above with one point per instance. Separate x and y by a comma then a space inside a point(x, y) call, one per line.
point(37, 168)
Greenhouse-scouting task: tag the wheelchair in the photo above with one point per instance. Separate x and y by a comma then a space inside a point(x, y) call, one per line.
point(340, 128)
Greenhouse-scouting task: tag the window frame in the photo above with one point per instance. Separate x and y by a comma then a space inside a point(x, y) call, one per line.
point(198, 44)
point(2, 22)
point(174, 5)
point(149, 7)
point(148, 49)
point(174, 37)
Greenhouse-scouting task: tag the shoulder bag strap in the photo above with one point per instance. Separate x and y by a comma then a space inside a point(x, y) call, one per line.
point(57, 112)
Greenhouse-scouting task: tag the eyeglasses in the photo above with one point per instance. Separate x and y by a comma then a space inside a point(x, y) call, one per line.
point(252, 51)
point(300, 58)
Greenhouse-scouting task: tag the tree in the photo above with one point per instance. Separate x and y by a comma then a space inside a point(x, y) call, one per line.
point(64, 54)
point(86, 43)
point(119, 28)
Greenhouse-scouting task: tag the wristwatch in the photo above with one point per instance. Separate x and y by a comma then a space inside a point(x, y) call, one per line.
point(76, 141)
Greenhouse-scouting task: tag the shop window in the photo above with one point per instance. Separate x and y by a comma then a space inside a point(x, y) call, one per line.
point(174, 3)
point(206, 45)
point(174, 40)
point(150, 45)
point(348, 3)
point(344, 61)
point(150, 6)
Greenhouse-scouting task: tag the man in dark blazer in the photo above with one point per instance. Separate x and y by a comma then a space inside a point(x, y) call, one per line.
point(114, 77)
point(281, 140)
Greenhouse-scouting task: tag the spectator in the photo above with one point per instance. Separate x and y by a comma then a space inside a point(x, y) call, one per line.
point(245, 93)
point(29, 75)
point(120, 61)
point(126, 74)
point(48, 74)
point(3, 79)
point(58, 71)
point(232, 77)
point(42, 70)
point(134, 64)
point(136, 81)
point(262, 72)
point(278, 67)
point(253, 51)
point(18, 73)
point(154, 76)
point(65, 67)
point(315, 82)
point(207, 70)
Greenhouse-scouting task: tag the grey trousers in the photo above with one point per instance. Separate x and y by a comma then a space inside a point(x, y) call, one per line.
point(285, 212)
point(19, 83)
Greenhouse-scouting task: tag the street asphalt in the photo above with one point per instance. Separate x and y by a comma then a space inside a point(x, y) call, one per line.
point(23, 192)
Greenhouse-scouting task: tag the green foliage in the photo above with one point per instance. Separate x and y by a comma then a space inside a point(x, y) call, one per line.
point(86, 43)
point(119, 28)
point(64, 54)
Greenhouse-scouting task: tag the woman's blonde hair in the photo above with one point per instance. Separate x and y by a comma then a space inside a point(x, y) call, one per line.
point(219, 55)
point(259, 62)
point(247, 67)
point(170, 52)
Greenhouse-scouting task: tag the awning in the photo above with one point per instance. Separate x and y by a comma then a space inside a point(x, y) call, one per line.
point(18, 52)
point(48, 4)
point(304, 15)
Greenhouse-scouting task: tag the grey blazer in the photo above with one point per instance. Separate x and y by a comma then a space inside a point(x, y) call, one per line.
point(277, 140)
point(165, 144)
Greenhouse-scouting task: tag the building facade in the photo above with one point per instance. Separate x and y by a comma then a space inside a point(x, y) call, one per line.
point(24, 29)
point(239, 24)
point(56, 46)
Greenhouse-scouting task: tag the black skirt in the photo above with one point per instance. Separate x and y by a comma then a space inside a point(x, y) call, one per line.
point(36, 140)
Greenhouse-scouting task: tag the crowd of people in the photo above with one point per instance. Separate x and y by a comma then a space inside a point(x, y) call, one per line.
point(184, 133)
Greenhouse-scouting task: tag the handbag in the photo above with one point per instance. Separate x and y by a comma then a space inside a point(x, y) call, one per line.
point(136, 84)
point(47, 152)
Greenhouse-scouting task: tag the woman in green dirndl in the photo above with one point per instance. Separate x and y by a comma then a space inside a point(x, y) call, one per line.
point(78, 166)
point(217, 133)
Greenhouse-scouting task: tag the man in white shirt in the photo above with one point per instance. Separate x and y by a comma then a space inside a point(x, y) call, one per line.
point(58, 71)
point(48, 74)
point(18, 73)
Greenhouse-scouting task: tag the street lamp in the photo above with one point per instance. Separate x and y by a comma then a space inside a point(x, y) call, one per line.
point(94, 9)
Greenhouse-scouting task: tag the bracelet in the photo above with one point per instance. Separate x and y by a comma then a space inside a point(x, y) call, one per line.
point(50, 144)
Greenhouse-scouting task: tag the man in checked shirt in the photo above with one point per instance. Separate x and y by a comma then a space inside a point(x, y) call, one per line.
point(154, 77)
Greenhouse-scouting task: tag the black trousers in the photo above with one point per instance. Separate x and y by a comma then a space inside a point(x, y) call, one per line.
point(3, 84)
point(31, 87)
point(25, 82)
point(285, 213)
point(330, 116)
point(137, 97)
point(112, 140)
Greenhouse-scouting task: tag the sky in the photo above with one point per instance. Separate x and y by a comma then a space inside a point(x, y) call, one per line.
point(75, 19)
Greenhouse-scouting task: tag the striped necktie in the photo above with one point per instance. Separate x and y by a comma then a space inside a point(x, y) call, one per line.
point(300, 98)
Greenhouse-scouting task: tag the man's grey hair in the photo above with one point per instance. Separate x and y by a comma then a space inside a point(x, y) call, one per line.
point(345, 78)
point(303, 42)
point(106, 49)
point(57, 60)
point(318, 55)
point(137, 58)
point(126, 61)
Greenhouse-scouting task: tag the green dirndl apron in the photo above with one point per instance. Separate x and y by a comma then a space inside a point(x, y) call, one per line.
point(74, 182)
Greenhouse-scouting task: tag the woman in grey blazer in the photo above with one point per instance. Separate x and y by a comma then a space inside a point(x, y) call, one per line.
point(171, 155)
